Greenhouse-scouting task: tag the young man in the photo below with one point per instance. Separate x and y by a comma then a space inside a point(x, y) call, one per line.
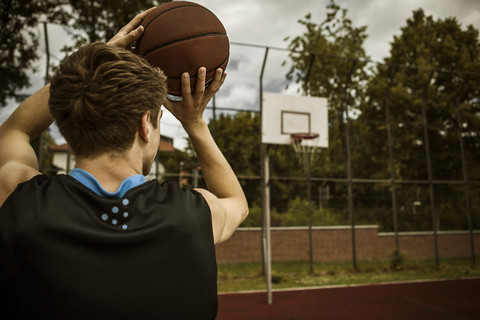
point(102, 243)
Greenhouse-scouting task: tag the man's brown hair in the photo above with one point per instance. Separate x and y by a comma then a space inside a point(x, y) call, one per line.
point(99, 95)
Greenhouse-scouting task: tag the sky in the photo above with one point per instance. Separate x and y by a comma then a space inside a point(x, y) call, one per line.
point(252, 25)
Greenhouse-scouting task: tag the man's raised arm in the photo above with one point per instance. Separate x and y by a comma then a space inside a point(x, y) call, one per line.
point(225, 196)
point(18, 161)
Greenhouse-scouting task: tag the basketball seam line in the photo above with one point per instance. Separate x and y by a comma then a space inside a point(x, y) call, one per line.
point(171, 9)
point(183, 39)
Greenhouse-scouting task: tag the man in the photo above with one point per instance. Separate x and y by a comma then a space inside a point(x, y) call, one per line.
point(102, 243)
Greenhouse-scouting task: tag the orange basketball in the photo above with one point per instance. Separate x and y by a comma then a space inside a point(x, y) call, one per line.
point(183, 36)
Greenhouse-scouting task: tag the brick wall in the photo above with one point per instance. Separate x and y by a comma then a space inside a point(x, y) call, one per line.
point(334, 244)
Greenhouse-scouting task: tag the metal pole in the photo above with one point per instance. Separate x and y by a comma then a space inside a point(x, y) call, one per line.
point(429, 169)
point(390, 157)
point(180, 176)
point(46, 80)
point(349, 167)
point(309, 192)
point(47, 52)
point(266, 238)
point(310, 222)
point(465, 173)
point(265, 168)
point(195, 177)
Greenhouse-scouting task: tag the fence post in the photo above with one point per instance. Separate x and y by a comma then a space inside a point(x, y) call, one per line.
point(464, 171)
point(429, 168)
point(351, 213)
point(390, 156)
point(265, 166)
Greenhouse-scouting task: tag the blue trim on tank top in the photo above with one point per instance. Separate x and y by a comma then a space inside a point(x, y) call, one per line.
point(92, 183)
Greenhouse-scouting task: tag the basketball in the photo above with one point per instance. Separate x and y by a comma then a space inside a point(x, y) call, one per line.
point(183, 36)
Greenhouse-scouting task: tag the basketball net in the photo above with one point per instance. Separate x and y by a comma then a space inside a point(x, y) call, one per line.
point(305, 145)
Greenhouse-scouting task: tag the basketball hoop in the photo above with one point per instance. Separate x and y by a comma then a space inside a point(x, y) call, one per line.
point(304, 144)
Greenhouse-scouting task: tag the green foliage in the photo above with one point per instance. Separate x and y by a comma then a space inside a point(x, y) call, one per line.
point(172, 161)
point(85, 21)
point(433, 64)
point(420, 64)
point(297, 214)
point(255, 218)
point(432, 49)
point(329, 60)
point(238, 137)
point(19, 42)
point(333, 38)
point(99, 20)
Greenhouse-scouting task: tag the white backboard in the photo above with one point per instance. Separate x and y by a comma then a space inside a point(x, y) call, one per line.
point(286, 114)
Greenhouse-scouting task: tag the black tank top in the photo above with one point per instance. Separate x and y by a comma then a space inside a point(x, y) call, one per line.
point(66, 253)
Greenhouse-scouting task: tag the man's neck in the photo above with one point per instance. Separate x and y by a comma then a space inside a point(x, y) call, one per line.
point(110, 169)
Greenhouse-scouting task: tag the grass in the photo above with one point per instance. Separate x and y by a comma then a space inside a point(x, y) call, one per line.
point(249, 276)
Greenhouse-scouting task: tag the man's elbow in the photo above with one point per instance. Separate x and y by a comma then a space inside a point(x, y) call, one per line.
point(245, 212)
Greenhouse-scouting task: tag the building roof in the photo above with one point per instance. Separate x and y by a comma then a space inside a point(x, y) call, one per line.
point(166, 144)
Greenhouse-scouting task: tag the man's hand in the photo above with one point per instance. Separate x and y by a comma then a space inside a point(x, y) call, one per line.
point(131, 32)
point(190, 110)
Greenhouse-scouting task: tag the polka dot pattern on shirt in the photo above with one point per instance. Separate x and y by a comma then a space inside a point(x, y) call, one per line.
point(118, 215)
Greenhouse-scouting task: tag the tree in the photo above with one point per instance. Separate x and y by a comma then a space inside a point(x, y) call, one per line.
point(172, 160)
point(238, 137)
point(329, 61)
point(440, 61)
point(85, 21)
point(99, 20)
point(435, 65)
point(19, 42)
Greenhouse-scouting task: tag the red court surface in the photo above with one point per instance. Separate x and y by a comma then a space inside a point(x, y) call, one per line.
point(447, 299)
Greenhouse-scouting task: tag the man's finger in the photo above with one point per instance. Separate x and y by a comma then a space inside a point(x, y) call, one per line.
point(131, 31)
point(200, 85)
point(217, 81)
point(136, 21)
point(135, 34)
point(186, 90)
point(125, 41)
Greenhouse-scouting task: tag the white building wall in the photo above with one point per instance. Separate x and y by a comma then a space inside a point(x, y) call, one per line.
point(60, 161)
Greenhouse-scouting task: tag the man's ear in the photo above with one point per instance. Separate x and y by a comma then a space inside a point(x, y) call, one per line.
point(144, 129)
